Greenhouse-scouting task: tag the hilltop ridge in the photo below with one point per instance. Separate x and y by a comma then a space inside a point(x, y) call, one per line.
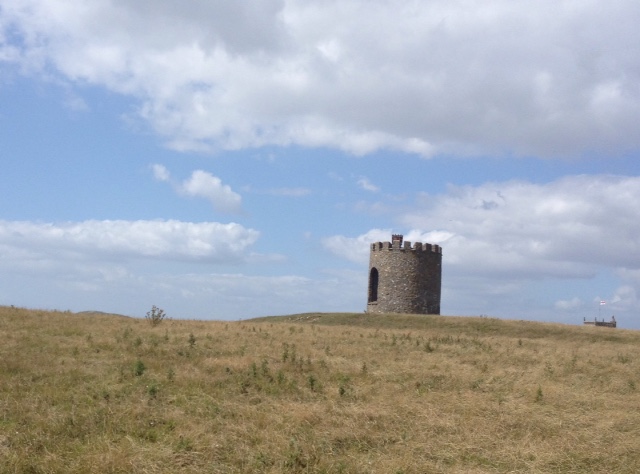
point(315, 392)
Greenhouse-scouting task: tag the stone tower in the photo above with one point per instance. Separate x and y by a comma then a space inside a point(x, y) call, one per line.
point(404, 278)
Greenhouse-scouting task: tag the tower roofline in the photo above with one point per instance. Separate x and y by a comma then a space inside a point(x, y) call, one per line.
point(406, 245)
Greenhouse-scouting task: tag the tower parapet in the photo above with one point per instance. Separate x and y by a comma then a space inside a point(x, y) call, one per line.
point(406, 245)
point(404, 277)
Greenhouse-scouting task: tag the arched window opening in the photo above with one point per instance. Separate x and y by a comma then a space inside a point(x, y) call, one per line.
point(373, 285)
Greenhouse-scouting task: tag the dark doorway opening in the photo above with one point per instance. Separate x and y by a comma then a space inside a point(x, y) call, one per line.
point(373, 285)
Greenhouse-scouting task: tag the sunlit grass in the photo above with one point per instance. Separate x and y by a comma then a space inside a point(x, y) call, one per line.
point(351, 393)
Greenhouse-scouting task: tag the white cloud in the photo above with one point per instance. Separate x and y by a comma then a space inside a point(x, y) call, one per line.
point(512, 246)
point(551, 78)
point(625, 298)
point(573, 304)
point(160, 172)
point(193, 294)
point(367, 185)
point(29, 244)
point(235, 295)
point(205, 185)
point(567, 228)
point(355, 249)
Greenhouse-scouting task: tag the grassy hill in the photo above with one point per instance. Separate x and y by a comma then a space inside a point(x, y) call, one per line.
point(332, 393)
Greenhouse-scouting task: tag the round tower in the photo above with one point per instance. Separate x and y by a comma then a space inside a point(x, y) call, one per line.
point(404, 278)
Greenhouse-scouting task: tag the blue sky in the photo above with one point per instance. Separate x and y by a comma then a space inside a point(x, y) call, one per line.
point(226, 161)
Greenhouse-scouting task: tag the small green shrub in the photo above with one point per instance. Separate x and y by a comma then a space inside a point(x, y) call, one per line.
point(624, 359)
point(313, 382)
point(152, 390)
point(184, 444)
point(139, 368)
point(344, 387)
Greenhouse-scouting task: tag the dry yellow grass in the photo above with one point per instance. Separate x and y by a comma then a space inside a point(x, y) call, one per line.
point(350, 393)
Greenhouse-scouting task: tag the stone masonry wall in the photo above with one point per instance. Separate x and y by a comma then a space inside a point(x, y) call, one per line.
point(408, 278)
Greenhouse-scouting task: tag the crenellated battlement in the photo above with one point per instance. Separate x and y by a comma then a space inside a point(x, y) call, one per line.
point(405, 246)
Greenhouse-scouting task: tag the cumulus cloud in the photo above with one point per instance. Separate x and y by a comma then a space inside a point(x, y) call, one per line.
point(125, 266)
point(355, 249)
point(566, 228)
point(204, 185)
point(499, 237)
point(29, 243)
point(551, 78)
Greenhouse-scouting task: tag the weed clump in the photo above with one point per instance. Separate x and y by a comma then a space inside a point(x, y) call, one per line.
point(139, 368)
point(155, 316)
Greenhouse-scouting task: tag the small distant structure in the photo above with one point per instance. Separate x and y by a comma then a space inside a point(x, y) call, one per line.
point(607, 324)
point(404, 278)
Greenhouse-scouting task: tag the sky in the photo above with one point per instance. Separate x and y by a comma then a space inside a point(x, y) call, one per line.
point(229, 160)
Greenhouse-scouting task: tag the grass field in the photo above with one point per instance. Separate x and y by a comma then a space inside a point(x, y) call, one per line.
point(316, 393)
